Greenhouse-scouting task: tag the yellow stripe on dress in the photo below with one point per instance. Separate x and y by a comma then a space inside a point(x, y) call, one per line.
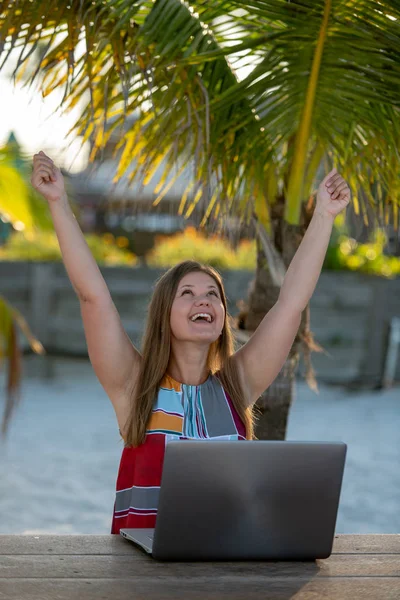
point(170, 384)
point(161, 420)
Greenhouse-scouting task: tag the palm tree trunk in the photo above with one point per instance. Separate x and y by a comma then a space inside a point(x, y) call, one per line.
point(272, 408)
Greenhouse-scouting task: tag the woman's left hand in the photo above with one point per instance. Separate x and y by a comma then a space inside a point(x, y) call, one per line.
point(333, 194)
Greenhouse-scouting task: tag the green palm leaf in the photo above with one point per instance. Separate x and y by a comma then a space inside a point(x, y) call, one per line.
point(14, 197)
point(19, 203)
point(325, 72)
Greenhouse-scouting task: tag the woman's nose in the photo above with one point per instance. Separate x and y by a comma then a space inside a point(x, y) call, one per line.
point(204, 300)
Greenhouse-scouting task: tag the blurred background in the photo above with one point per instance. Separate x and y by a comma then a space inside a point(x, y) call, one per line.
point(198, 134)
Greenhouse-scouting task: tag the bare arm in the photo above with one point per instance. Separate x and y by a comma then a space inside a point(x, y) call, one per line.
point(82, 269)
point(304, 270)
point(262, 357)
point(114, 358)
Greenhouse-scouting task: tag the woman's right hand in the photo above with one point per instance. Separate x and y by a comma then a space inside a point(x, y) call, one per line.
point(47, 178)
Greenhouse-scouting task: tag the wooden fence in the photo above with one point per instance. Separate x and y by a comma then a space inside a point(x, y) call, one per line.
point(350, 313)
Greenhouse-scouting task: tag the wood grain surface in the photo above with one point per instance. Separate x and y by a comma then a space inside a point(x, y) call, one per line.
point(91, 567)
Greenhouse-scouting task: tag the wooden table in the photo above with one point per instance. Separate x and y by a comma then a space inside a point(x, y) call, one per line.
point(97, 567)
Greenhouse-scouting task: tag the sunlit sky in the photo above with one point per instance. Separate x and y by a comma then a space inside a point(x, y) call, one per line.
point(37, 126)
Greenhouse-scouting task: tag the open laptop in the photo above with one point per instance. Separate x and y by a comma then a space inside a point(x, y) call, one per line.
point(246, 500)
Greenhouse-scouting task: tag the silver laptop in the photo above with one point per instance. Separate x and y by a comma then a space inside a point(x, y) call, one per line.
point(246, 500)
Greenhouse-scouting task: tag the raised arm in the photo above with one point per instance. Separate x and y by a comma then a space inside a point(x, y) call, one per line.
point(115, 360)
point(262, 357)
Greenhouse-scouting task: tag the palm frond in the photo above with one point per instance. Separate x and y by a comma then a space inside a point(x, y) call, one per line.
point(325, 74)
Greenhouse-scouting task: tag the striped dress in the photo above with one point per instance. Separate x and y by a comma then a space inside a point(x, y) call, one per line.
point(180, 412)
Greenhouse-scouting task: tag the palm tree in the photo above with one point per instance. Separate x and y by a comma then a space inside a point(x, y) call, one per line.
point(321, 88)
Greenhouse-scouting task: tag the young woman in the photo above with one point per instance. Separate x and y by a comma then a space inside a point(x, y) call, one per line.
point(188, 382)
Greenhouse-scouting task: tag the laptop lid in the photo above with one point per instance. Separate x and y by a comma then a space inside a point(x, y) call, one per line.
point(248, 500)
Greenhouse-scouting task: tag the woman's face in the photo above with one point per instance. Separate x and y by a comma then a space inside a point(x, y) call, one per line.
point(197, 294)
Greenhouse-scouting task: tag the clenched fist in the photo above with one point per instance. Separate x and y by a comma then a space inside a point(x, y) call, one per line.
point(333, 194)
point(47, 178)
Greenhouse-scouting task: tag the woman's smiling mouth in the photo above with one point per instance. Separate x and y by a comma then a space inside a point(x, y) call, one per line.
point(202, 318)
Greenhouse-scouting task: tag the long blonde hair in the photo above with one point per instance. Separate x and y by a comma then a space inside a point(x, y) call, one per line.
point(156, 347)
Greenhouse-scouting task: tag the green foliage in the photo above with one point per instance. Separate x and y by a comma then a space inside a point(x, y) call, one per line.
point(213, 251)
point(344, 253)
point(20, 204)
point(43, 246)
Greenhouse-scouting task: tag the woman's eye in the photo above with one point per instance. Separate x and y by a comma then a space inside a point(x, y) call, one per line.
point(190, 292)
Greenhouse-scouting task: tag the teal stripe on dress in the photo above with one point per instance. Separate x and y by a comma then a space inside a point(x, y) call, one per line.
point(189, 428)
point(169, 401)
point(194, 420)
point(200, 413)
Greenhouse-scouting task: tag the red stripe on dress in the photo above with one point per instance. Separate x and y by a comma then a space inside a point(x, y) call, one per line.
point(141, 466)
point(132, 521)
